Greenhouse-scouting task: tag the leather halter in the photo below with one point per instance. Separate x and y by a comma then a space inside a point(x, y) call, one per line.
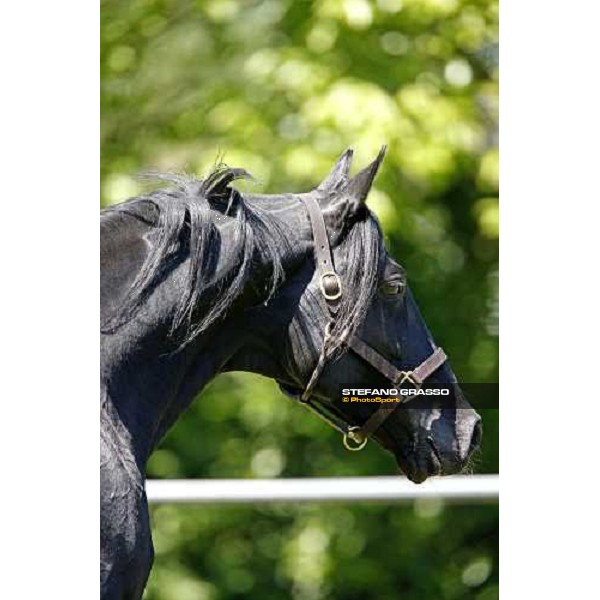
point(331, 289)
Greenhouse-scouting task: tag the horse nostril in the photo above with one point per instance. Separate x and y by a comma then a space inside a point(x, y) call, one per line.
point(475, 437)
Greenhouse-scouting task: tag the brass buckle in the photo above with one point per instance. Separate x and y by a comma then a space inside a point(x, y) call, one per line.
point(336, 294)
point(356, 437)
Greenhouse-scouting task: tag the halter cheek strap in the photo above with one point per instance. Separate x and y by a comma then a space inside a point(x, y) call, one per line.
point(331, 289)
point(329, 281)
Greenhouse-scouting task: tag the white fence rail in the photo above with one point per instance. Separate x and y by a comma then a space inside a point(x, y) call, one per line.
point(458, 488)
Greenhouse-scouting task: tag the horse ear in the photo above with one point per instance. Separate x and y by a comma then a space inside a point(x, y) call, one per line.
point(338, 176)
point(359, 186)
point(347, 205)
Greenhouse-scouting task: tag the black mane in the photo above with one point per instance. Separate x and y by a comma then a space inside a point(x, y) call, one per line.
point(181, 220)
point(182, 223)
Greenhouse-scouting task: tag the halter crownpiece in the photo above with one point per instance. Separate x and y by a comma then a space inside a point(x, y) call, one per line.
point(355, 437)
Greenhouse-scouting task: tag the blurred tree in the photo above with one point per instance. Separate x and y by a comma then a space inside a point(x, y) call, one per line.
point(281, 88)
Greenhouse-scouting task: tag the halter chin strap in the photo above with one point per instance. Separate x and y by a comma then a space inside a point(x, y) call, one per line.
point(355, 437)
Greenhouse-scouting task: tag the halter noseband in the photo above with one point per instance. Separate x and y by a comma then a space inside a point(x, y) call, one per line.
point(331, 289)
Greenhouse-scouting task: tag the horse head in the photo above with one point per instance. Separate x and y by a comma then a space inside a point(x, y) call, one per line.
point(352, 321)
point(203, 279)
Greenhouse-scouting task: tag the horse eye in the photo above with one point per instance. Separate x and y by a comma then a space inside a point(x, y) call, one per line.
point(393, 288)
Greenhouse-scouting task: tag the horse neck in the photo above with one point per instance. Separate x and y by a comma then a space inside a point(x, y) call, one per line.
point(146, 391)
point(146, 380)
point(147, 385)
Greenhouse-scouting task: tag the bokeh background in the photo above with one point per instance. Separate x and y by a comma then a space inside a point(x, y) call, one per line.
point(281, 88)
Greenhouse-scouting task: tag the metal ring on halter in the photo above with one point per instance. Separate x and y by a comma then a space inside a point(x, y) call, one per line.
point(334, 295)
point(356, 437)
point(406, 376)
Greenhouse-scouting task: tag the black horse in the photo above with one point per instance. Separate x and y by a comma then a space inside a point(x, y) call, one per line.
point(198, 279)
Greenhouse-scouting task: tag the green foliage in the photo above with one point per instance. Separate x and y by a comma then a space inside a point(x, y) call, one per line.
point(282, 88)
